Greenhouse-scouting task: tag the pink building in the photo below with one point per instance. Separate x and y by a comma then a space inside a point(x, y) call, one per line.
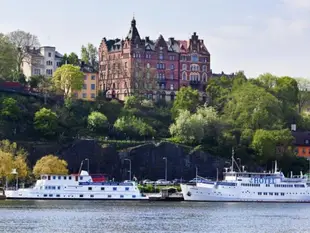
point(151, 67)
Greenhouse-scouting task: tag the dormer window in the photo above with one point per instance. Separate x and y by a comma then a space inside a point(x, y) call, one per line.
point(137, 46)
point(161, 56)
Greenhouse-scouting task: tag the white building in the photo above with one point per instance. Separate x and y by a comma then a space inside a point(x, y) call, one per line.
point(41, 61)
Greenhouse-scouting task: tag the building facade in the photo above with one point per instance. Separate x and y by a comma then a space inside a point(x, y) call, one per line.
point(41, 61)
point(90, 86)
point(153, 68)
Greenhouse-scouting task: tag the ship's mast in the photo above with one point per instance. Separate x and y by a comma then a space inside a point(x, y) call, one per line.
point(275, 166)
point(232, 160)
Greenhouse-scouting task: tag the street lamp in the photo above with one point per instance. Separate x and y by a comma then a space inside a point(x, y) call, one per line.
point(129, 160)
point(14, 172)
point(87, 164)
point(165, 158)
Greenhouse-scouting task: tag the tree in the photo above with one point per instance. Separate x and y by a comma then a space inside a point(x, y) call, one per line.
point(10, 110)
point(68, 78)
point(252, 107)
point(45, 121)
point(268, 143)
point(50, 165)
point(97, 121)
point(133, 127)
point(73, 59)
point(89, 54)
point(186, 99)
point(36, 81)
point(303, 94)
point(23, 41)
point(6, 164)
point(8, 54)
point(194, 128)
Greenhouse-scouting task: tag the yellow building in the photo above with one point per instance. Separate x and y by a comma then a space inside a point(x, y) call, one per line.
point(89, 90)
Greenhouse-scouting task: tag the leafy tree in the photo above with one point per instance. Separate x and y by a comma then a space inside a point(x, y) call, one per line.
point(50, 165)
point(10, 110)
point(186, 99)
point(267, 81)
point(36, 81)
point(23, 41)
point(97, 121)
point(73, 59)
point(12, 148)
point(252, 107)
point(132, 102)
point(21, 166)
point(45, 121)
point(303, 94)
point(68, 78)
point(133, 127)
point(89, 54)
point(268, 143)
point(6, 164)
point(193, 128)
point(8, 55)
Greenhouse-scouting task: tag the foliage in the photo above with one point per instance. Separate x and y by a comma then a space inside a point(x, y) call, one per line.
point(97, 121)
point(8, 55)
point(50, 165)
point(133, 127)
point(193, 128)
point(132, 102)
point(10, 110)
point(89, 54)
point(68, 78)
point(36, 80)
point(45, 121)
point(186, 99)
point(73, 59)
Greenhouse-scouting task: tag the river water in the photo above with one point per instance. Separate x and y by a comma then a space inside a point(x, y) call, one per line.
point(157, 217)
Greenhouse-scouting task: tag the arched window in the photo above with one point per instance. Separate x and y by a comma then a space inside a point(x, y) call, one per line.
point(204, 77)
point(184, 76)
point(184, 67)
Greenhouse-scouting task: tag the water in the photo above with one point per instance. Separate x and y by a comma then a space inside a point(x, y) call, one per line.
point(159, 217)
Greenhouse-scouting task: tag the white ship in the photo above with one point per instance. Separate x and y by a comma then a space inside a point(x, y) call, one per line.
point(242, 186)
point(77, 187)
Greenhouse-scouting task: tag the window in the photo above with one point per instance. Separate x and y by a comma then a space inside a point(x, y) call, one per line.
point(58, 187)
point(171, 87)
point(70, 177)
point(93, 77)
point(92, 95)
point(133, 196)
point(109, 196)
point(45, 195)
point(102, 188)
point(184, 76)
point(171, 75)
point(126, 188)
point(49, 63)
point(91, 195)
point(114, 188)
point(121, 196)
point(58, 64)
point(184, 67)
point(49, 72)
point(54, 177)
point(194, 58)
point(84, 86)
point(172, 66)
point(125, 64)
point(57, 195)
point(84, 95)
point(161, 56)
point(50, 195)
point(148, 65)
point(37, 71)
point(81, 195)
point(49, 54)
point(90, 188)
point(204, 68)
point(93, 86)
point(85, 77)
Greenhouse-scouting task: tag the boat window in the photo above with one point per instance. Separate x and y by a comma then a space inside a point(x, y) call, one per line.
point(81, 195)
point(53, 187)
point(271, 194)
point(109, 195)
point(70, 177)
point(54, 177)
point(49, 177)
point(259, 193)
point(58, 187)
point(126, 188)
point(51, 195)
point(45, 195)
point(81, 177)
point(76, 178)
point(114, 188)
point(102, 188)
point(90, 188)
point(59, 177)
point(121, 196)
point(65, 177)
point(91, 195)
point(265, 193)
point(57, 195)
point(134, 196)
point(282, 194)
point(276, 194)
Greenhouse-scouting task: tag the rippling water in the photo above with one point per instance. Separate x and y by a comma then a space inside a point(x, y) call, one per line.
point(138, 217)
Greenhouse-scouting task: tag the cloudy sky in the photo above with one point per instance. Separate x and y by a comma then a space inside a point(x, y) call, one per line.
point(256, 36)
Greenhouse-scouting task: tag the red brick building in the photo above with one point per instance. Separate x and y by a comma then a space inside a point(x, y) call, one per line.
point(154, 68)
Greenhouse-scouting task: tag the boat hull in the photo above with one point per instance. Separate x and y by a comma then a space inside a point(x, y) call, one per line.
point(211, 193)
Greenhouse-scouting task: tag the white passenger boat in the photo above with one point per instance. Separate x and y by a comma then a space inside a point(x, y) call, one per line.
point(242, 186)
point(77, 187)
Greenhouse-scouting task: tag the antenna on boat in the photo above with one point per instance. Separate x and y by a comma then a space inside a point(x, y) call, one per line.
point(275, 166)
point(232, 159)
point(81, 166)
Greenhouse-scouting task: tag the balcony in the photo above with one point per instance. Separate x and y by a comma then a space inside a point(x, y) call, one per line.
point(194, 82)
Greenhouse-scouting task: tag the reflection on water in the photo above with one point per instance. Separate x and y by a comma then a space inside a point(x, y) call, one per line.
point(138, 217)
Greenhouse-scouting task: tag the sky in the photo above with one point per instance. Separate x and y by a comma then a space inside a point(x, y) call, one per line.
point(256, 36)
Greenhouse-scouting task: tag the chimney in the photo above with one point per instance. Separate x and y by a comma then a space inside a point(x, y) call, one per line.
point(147, 38)
point(293, 127)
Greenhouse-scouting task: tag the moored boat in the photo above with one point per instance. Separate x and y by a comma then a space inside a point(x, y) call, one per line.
point(77, 187)
point(243, 186)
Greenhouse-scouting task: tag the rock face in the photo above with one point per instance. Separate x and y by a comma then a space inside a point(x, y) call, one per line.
point(147, 161)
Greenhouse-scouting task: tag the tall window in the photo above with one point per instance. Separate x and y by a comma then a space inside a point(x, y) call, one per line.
point(161, 56)
point(184, 76)
point(194, 58)
point(184, 67)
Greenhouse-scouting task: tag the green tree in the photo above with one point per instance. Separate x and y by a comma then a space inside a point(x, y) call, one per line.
point(303, 94)
point(10, 110)
point(8, 54)
point(186, 99)
point(23, 41)
point(50, 165)
point(194, 128)
point(133, 127)
point(97, 121)
point(89, 54)
point(132, 102)
point(252, 107)
point(36, 81)
point(45, 121)
point(268, 143)
point(68, 78)
point(73, 59)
